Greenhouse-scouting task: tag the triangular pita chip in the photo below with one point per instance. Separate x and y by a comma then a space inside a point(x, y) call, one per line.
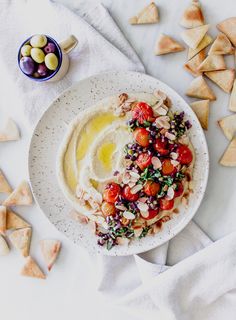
point(31, 269)
point(148, 15)
point(21, 196)
point(228, 126)
point(224, 78)
point(232, 101)
point(192, 37)
point(3, 219)
point(14, 221)
point(228, 27)
point(4, 185)
point(202, 45)
point(221, 45)
point(229, 157)
point(166, 44)
point(10, 132)
point(193, 64)
point(212, 62)
point(4, 249)
point(50, 250)
point(201, 108)
point(199, 89)
point(21, 239)
point(192, 16)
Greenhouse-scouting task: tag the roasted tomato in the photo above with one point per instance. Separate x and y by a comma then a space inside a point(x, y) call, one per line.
point(111, 192)
point(185, 155)
point(141, 136)
point(166, 204)
point(152, 214)
point(151, 188)
point(161, 147)
point(142, 112)
point(144, 160)
point(167, 167)
point(108, 209)
point(179, 189)
point(126, 193)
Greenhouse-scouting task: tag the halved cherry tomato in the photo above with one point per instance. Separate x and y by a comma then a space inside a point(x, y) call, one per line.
point(151, 188)
point(108, 209)
point(142, 112)
point(151, 214)
point(166, 204)
point(185, 155)
point(111, 192)
point(141, 135)
point(144, 160)
point(161, 147)
point(126, 193)
point(167, 167)
point(179, 189)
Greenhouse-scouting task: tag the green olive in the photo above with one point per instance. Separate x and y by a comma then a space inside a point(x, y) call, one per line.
point(37, 55)
point(38, 41)
point(51, 61)
point(25, 50)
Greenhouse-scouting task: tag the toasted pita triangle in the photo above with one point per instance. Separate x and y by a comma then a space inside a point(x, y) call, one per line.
point(199, 89)
point(15, 222)
point(201, 108)
point(21, 196)
point(193, 37)
point(3, 219)
point(224, 78)
point(232, 101)
point(228, 27)
point(221, 45)
point(202, 45)
point(10, 132)
point(166, 44)
point(21, 239)
point(228, 126)
point(193, 64)
point(229, 157)
point(148, 15)
point(50, 250)
point(192, 16)
point(31, 269)
point(4, 249)
point(4, 185)
point(212, 62)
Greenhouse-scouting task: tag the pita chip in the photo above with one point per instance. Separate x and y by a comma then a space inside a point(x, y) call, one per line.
point(192, 16)
point(221, 45)
point(228, 27)
point(10, 132)
point(223, 78)
point(15, 222)
point(201, 108)
point(4, 185)
point(4, 249)
point(148, 15)
point(193, 64)
point(21, 239)
point(50, 250)
point(229, 157)
point(31, 269)
point(212, 62)
point(202, 45)
point(199, 89)
point(3, 219)
point(21, 196)
point(192, 37)
point(232, 101)
point(166, 44)
point(228, 126)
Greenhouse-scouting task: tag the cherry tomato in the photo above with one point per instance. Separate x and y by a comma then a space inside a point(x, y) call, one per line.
point(179, 189)
point(151, 188)
point(126, 193)
point(108, 209)
point(141, 135)
point(166, 204)
point(185, 155)
point(111, 192)
point(167, 167)
point(151, 214)
point(142, 112)
point(161, 147)
point(144, 160)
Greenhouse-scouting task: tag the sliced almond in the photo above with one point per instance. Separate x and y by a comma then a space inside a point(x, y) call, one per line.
point(156, 162)
point(193, 37)
point(128, 215)
point(148, 15)
point(136, 188)
point(31, 269)
point(193, 64)
point(212, 62)
point(202, 45)
point(229, 157)
point(170, 193)
point(199, 89)
point(232, 101)
point(228, 126)
point(21, 239)
point(20, 196)
point(3, 219)
point(228, 27)
point(201, 109)
point(10, 132)
point(192, 16)
point(173, 155)
point(50, 250)
point(166, 44)
point(170, 136)
point(4, 185)
point(221, 45)
point(175, 163)
point(163, 122)
point(143, 207)
point(224, 79)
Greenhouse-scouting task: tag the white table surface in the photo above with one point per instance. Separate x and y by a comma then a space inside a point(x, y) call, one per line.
point(67, 293)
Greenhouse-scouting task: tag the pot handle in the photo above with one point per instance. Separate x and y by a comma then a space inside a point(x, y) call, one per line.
point(68, 44)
